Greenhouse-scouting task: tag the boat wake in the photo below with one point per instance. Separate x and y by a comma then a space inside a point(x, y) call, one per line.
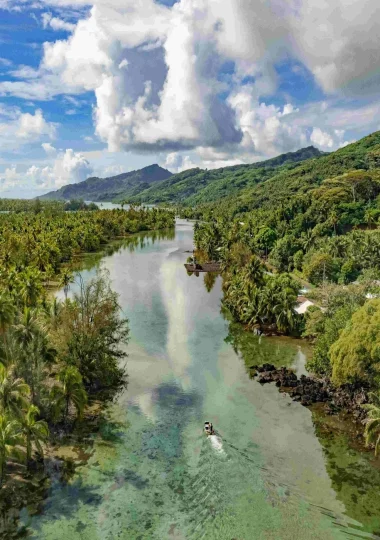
point(216, 443)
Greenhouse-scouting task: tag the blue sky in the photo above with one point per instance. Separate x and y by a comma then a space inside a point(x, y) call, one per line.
point(115, 85)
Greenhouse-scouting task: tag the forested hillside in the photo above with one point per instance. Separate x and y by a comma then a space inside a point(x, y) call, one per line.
point(114, 188)
point(196, 186)
point(318, 222)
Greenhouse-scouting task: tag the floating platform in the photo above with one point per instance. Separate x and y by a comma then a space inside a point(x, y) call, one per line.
point(205, 267)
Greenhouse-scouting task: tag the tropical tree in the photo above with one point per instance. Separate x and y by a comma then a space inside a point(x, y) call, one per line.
point(334, 219)
point(284, 310)
point(66, 279)
point(320, 268)
point(10, 438)
point(34, 431)
point(7, 312)
point(355, 355)
point(253, 273)
point(31, 286)
point(70, 391)
point(14, 392)
point(372, 427)
point(27, 327)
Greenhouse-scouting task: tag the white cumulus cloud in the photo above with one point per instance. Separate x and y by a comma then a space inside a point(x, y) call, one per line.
point(18, 129)
point(68, 168)
point(56, 24)
point(49, 149)
point(160, 79)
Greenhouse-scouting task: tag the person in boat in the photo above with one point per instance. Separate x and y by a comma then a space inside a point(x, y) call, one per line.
point(209, 428)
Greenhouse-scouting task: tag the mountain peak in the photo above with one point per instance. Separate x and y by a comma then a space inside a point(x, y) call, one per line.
point(112, 188)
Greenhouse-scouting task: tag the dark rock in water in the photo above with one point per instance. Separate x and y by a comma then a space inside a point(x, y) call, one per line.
point(309, 390)
point(266, 367)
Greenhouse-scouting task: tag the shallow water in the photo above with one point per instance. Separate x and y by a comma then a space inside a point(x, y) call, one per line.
point(153, 474)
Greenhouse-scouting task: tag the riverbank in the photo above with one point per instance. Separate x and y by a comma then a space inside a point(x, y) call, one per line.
point(69, 448)
point(151, 472)
point(346, 401)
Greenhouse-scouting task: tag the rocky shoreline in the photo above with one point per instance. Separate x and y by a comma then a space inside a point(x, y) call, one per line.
point(310, 390)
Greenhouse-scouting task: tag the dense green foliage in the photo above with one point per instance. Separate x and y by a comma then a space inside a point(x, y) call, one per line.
point(34, 246)
point(319, 222)
point(29, 205)
point(78, 204)
point(196, 186)
point(53, 354)
point(258, 299)
point(355, 355)
point(114, 188)
point(372, 428)
point(45, 373)
point(324, 327)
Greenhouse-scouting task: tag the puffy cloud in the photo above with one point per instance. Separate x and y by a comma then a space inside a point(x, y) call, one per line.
point(9, 178)
point(321, 138)
point(18, 129)
point(160, 78)
point(176, 162)
point(49, 149)
point(267, 129)
point(56, 24)
point(338, 41)
point(34, 126)
point(69, 167)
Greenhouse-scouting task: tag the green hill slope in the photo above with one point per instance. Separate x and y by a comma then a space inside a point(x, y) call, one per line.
point(285, 184)
point(197, 186)
point(112, 188)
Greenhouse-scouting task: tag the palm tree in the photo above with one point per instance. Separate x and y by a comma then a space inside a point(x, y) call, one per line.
point(284, 311)
point(31, 286)
point(27, 328)
point(71, 390)
point(253, 273)
point(307, 239)
point(369, 216)
point(34, 431)
point(7, 312)
point(372, 428)
point(51, 312)
point(10, 438)
point(334, 219)
point(252, 308)
point(65, 280)
point(14, 392)
point(10, 350)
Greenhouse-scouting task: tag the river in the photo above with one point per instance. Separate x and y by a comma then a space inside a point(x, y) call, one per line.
point(272, 471)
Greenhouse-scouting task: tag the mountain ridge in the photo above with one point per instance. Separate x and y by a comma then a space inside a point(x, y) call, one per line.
point(153, 184)
point(112, 187)
point(195, 186)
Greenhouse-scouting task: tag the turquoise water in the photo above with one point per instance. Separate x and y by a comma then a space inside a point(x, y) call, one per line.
point(153, 474)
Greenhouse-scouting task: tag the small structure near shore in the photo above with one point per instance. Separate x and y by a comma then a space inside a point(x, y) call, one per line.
point(204, 267)
point(303, 304)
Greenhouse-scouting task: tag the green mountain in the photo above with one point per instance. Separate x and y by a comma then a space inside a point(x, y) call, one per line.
point(197, 186)
point(114, 188)
point(332, 178)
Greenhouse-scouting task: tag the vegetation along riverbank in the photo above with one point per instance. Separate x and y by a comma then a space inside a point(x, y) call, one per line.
point(316, 222)
point(59, 360)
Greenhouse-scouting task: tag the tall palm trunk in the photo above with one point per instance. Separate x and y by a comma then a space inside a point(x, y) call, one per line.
point(67, 407)
point(2, 469)
point(28, 450)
